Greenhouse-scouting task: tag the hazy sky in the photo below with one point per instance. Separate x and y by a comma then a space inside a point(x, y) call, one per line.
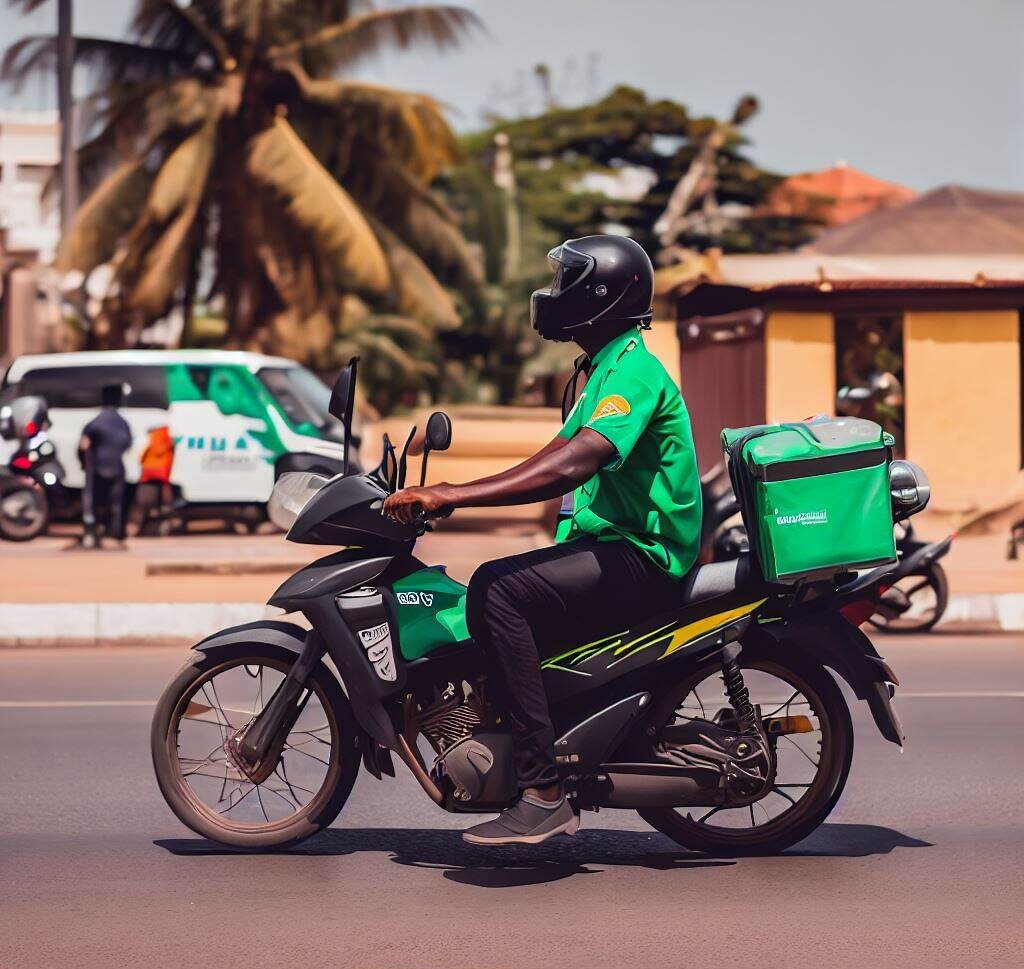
point(922, 92)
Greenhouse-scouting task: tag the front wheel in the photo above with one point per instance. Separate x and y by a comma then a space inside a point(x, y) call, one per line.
point(213, 698)
point(811, 765)
point(24, 511)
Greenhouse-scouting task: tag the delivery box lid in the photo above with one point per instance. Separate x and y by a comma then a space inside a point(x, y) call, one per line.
point(822, 445)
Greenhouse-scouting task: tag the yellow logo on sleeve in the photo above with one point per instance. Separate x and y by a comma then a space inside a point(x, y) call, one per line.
point(610, 407)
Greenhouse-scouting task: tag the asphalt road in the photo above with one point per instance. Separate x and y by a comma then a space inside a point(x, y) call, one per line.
point(922, 863)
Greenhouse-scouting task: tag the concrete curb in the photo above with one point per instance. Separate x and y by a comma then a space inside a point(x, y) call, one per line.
point(93, 623)
point(1000, 611)
point(90, 623)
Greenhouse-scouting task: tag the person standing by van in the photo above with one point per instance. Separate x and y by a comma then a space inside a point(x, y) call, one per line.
point(101, 449)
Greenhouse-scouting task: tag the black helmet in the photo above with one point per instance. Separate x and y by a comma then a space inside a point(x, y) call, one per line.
point(597, 278)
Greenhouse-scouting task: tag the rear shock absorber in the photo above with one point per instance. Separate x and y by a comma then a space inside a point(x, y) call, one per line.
point(736, 690)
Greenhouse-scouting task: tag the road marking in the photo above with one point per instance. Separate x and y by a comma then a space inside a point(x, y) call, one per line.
point(63, 704)
point(900, 695)
point(960, 695)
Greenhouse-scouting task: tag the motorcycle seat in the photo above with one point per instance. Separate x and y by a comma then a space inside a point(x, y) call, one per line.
point(735, 579)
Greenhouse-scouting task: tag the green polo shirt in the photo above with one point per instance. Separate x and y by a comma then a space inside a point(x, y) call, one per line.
point(649, 493)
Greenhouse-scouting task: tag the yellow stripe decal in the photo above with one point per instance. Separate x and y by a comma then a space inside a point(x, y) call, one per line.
point(686, 634)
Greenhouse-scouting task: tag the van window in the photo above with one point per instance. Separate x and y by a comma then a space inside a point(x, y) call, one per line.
point(82, 386)
point(301, 395)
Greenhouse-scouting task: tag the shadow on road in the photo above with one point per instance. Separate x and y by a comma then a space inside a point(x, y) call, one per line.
point(443, 849)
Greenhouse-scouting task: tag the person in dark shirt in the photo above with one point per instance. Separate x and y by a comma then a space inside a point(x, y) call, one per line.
point(104, 441)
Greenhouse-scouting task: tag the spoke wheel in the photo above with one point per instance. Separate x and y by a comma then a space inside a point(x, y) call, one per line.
point(24, 513)
point(811, 767)
point(928, 595)
point(211, 701)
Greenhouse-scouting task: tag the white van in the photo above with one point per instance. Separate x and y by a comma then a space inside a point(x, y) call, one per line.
point(238, 420)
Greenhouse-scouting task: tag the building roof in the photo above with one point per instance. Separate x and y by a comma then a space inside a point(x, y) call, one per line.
point(835, 195)
point(805, 280)
point(951, 219)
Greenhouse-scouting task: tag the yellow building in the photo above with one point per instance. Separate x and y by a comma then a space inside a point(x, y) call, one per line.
point(938, 340)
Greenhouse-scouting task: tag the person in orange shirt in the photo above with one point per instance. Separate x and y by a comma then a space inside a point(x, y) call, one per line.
point(157, 461)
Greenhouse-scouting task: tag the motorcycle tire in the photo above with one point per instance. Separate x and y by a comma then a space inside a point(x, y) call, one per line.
point(322, 808)
point(16, 531)
point(935, 577)
point(795, 824)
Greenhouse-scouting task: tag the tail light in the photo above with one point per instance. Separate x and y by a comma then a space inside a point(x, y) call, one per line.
point(859, 612)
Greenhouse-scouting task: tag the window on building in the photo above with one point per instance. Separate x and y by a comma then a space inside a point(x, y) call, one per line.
point(869, 370)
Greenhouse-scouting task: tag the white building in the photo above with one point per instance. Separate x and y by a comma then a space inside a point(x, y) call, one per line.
point(29, 154)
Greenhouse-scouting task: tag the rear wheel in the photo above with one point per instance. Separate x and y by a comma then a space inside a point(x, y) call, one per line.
point(24, 512)
point(811, 767)
point(921, 597)
point(212, 699)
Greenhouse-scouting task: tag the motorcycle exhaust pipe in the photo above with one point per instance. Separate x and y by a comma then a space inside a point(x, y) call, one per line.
point(647, 786)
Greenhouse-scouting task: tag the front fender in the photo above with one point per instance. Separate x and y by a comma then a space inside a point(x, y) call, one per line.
point(287, 635)
point(832, 641)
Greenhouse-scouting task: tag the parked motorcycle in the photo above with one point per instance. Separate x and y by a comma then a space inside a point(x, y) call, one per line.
point(31, 485)
point(917, 595)
point(719, 720)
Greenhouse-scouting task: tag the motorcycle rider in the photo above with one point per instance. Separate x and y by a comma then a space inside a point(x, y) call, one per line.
point(626, 453)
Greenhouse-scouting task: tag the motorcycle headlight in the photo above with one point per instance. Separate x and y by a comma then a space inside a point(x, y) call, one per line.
point(291, 492)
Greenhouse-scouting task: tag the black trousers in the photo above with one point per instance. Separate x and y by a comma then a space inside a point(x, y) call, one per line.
point(103, 499)
point(528, 607)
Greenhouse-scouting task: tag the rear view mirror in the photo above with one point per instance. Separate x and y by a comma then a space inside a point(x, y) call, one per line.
point(344, 391)
point(439, 432)
point(909, 489)
point(438, 437)
point(342, 402)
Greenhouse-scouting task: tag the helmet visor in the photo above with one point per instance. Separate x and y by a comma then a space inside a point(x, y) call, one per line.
point(568, 265)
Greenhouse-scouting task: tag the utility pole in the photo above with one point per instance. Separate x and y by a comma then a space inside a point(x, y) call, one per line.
point(66, 108)
point(504, 176)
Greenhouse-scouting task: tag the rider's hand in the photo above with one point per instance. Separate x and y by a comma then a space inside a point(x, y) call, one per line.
point(405, 505)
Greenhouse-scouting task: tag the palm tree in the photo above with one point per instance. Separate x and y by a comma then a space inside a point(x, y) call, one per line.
point(228, 151)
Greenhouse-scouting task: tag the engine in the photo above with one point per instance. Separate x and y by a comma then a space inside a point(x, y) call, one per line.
point(474, 757)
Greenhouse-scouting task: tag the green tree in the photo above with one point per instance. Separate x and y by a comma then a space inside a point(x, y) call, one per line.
point(228, 151)
point(555, 157)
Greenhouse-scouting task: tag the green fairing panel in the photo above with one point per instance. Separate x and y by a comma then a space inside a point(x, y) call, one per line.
point(431, 609)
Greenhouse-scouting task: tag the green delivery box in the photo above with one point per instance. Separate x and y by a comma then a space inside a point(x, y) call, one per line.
point(814, 495)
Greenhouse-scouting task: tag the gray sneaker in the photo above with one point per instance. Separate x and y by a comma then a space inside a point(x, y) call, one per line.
point(528, 822)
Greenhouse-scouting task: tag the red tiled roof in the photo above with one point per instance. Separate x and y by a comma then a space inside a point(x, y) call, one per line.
point(835, 195)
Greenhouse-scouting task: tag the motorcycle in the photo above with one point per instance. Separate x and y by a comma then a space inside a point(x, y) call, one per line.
point(719, 720)
point(917, 595)
point(31, 485)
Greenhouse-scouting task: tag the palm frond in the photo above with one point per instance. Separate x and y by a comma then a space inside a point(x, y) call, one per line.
point(151, 290)
point(407, 126)
point(356, 37)
point(181, 180)
point(104, 218)
point(159, 249)
point(279, 161)
point(170, 24)
point(417, 293)
point(115, 60)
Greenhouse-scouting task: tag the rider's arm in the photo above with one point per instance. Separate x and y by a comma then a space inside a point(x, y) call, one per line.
point(558, 468)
